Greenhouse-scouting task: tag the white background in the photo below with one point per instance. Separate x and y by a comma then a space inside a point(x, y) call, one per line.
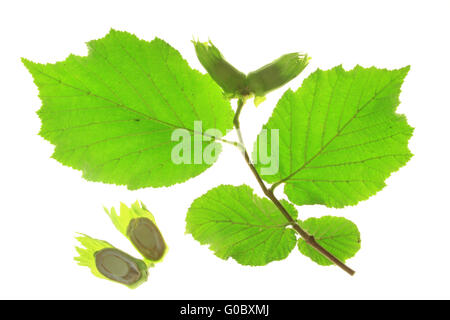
point(405, 228)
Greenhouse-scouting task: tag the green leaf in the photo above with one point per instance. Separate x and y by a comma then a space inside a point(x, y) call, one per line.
point(111, 114)
point(337, 235)
point(237, 223)
point(339, 136)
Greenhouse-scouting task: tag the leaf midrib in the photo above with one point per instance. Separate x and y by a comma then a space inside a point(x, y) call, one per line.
point(275, 184)
point(122, 105)
point(246, 224)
